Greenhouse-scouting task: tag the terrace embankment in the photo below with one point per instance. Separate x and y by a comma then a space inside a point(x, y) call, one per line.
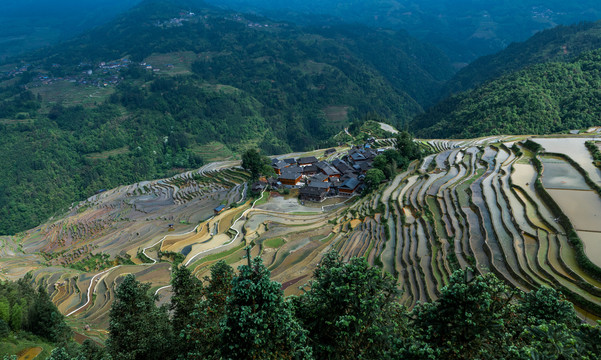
point(472, 203)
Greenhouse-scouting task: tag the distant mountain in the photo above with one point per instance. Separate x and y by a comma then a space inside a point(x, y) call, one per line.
point(31, 24)
point(463, 29)
point(542, 99)
point(562, 43)
point(171, 84)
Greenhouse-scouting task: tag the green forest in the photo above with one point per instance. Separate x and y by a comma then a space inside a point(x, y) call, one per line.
point(542, 99)
point(348, 311)
point(561, 43)
point(279, 88)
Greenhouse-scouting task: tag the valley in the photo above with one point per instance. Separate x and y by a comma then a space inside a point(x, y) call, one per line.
point(496, 204)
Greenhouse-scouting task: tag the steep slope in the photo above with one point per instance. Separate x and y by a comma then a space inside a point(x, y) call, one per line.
point(542, 99)
point(464, 30)
point(171, 84)
point(562, 43)
point(31, 24)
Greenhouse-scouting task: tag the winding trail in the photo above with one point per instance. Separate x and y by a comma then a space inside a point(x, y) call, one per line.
point(231, 227)
point(154, 261)
point(92, 282)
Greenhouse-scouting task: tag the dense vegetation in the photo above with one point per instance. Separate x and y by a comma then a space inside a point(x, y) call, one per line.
point(274, 87)
point(30, 24)
point(542, 99)
point(29, 313)
point(561, 43)
point(465, 30)
point(349, 311)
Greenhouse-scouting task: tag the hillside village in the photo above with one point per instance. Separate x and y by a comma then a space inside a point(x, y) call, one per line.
point(318, 179)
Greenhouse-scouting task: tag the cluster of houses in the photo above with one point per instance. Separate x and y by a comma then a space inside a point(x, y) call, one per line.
point(184, 16)
point(320, 179)
point(17, 70)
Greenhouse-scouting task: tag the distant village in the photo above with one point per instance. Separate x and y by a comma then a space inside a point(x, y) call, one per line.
point(318, 180)
point(103, 74)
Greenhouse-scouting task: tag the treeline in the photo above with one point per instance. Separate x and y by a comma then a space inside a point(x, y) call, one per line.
point(561, 43)
point(24, 310)
point(543, 99)
point(386, 165)
point(269, 88)
point(348, 311)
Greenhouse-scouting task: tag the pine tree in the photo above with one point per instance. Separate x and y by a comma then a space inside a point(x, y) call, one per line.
point(16, 317)
point(45, 320)
point(351, 311)
point(138, 329)
point(4, 309)
point(258, 323)
point(200, 339)
point(186, 292)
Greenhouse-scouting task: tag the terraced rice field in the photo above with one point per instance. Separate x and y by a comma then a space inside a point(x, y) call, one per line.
point(475, 203)
point(471, 203)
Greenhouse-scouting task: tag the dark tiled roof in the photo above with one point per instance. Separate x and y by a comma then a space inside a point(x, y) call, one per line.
point(307, 160)
point(357, 156)
point(290, 175)
point(309, 169)
point(350, 184)
point(318, 178)
point(346, 177)
point(341, 166)
point(320, 185)
point(312, 191)
point(290, 161)
point(279, 165)
point(330, 170)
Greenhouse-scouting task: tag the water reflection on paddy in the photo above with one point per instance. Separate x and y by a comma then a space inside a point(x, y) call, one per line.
point(559, 174)
point(583, 208)
point(575, 149)
point(592, 245)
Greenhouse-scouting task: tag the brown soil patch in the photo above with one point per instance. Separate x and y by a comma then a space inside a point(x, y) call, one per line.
point(292, 282)
point(355, 223)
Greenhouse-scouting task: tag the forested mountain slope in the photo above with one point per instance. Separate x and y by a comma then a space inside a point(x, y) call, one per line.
point(464, 30)
point(31, 24)
point(542, 99)
point(561, 43)
point(170, 84)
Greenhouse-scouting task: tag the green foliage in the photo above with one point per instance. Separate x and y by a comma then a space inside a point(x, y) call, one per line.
point(542, 99)
point(258, 323)
point(30, 311)
point(351, 311)
point(406, 146)
point(175, 257)
point(268, 88)
point(255, 163)
point(16, 317)
point(138, 329)
point(89, 350)
point(561, 43)
point(4, 309)
point(4, 329)
point(373, 179)
point(59, 353)
point(594, 150)
point(46, 321)
point(546, 304)
point(469, 316)
point(186, 292)
point(532, 146)
point(201, 338)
